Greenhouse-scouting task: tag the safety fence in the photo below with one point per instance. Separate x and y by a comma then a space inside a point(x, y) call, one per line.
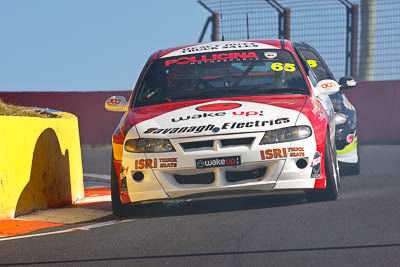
point(356, 37)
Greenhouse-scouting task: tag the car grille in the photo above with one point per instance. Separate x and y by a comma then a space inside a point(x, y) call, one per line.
point(198, 144)
point(203, 178)
point(237, 142)
point(209, 144)
point(237, 176)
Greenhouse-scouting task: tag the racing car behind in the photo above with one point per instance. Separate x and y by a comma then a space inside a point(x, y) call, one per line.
point(345, 113)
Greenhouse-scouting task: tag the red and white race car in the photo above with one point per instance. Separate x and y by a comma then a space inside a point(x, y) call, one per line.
point(224, 117)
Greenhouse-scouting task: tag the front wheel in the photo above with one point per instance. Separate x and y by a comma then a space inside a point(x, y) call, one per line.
point(119, 209)
point(331, 192)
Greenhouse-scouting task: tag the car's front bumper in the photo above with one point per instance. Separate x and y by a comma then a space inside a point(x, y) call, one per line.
point(175, 175)
point(347, 151)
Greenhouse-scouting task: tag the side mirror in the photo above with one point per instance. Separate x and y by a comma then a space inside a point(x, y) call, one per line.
point(347, 82)
point(327, 87)
point(116, 103)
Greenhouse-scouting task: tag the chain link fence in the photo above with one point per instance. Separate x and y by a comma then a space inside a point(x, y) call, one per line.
point(322, 24)
point(386, 48)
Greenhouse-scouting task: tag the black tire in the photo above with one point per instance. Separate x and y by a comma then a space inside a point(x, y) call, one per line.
point(350, 168)
point(331, 192)
point(119, 209)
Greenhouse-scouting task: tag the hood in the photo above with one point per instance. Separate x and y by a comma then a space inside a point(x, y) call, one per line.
point(218, 117)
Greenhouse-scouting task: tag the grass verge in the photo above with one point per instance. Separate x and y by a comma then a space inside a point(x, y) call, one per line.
point(12, 110)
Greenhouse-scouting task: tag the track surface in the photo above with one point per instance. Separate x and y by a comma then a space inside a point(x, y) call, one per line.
point(362, 228)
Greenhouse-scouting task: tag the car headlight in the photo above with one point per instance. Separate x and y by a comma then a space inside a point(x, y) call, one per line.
point(340, 118)
point(146, 145)
point(286, 135)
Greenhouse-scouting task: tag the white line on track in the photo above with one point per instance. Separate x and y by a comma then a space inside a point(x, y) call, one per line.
point(82, 228)
point(99, 176)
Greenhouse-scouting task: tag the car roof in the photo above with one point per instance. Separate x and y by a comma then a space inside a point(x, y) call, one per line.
point(223, 46)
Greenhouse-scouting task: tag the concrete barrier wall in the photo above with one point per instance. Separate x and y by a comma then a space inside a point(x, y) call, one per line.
point(96, 124)
point(378, 108)
point(40, 164)
point(376, 104)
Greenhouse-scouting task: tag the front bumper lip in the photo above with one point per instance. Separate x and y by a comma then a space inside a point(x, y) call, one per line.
point(160, 169)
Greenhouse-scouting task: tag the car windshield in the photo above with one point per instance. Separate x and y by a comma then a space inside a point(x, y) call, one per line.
point(316, 65)
point(220, 74)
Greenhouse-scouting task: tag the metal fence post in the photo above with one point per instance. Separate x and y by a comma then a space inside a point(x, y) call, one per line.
point(283, 19)
point(351, 38)
point(215, 26)
point(354, 43)
point(367, 40)
point(214, 19)
point(286, 15)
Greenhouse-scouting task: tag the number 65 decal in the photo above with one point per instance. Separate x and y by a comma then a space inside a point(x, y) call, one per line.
point(277, 66)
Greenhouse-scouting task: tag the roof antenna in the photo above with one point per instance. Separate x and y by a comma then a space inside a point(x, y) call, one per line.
point(247, 21)
point(222, 22)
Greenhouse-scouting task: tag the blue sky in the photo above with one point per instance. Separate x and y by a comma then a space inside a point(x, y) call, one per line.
point(88, 45)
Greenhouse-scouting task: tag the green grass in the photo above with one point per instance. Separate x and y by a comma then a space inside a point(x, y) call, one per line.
point(12, 110)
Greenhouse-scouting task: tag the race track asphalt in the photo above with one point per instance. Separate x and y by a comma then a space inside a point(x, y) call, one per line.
point(361, 228)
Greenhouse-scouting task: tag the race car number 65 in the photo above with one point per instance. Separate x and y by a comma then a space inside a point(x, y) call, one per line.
point(277, 66)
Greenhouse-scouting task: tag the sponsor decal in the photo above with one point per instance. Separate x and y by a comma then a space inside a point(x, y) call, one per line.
point(122, 175)
point(198, 116)
point(190, 129)
point(205, 48)
point(350, 138)
point(351, 83)
point(218, 162)
point(213, 128)
point(218, 114)
point(316, 166)
point(281, 153)
point(113, 101)
point(141, 164)
point(250, 124)
point(317, 109)
point(219, 107)
point(328, 85)
point(249, 113)
point(212, 58)
point(270, 55)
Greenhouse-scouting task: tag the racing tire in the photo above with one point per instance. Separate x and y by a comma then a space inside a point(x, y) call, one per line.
point(350, 168)
point(331, 192)
point(119, 209)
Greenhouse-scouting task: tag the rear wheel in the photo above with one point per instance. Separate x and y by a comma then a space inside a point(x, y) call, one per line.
point(331, 191)
point(119, 209)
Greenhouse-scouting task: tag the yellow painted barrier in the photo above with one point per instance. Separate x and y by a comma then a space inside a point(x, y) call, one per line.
point(40, 163)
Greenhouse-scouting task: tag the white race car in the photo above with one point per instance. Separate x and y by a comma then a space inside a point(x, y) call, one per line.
point(228, 117)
